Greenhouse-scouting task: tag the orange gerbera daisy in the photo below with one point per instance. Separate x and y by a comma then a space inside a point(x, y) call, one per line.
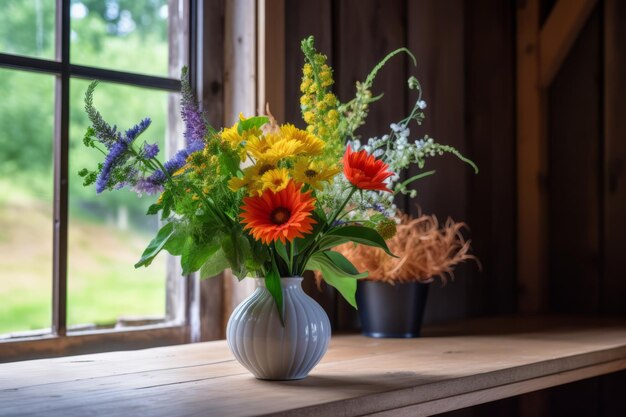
point(284, 215)
point(364, 171)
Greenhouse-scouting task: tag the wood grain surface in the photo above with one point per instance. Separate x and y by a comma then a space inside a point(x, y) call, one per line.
point(453, 367)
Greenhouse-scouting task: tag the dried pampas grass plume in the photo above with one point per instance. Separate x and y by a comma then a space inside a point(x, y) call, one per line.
point(424, 249)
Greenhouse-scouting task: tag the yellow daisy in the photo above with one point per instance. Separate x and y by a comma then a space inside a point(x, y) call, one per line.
point(283, 148)
point(236, 183)
point(314, 173)
point(231, 136)
point(257, 146)
point(275, 180)
point(310, 144)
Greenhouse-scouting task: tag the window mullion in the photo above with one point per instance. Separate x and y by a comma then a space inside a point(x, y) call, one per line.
point(61, 155)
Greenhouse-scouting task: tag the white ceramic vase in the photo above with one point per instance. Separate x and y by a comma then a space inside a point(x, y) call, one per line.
point(266, 348)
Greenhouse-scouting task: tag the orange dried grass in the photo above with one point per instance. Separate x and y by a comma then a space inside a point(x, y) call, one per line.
point(424, 251)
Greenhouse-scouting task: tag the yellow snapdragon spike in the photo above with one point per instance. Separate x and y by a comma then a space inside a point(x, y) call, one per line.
point(314, 173)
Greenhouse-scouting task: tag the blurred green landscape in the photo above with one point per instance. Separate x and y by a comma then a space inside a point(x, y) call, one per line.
point(108, 232)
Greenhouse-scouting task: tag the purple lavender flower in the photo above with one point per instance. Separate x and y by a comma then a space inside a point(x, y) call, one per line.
point(157, 177)
point(118, 154)
point(195, 127)
point(112, 160)
point(150, 150)
point(177, 161)
point(147, 186)
point(138, 129)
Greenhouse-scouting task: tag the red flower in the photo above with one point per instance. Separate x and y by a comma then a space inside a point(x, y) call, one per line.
point(283, 216)
point(364, 171)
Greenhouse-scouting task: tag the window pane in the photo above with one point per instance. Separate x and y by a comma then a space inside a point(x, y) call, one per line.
point(26, 121)
point(27, 27)
point(128, 35)
point(108, 232)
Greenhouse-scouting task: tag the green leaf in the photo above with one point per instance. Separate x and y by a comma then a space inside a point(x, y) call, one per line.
point(343, 263)
point(344, 281)
point(329, 242)
point(214, 265)
point(229, 163)
point(176, 243)
point(155, 245)
point(251, 123)
point(236, 249)
point(153, 209)
point(281, 250)
point(363, 235)
point(195, 255)
point(167, 201)
point(272, 283)
point(258, 255)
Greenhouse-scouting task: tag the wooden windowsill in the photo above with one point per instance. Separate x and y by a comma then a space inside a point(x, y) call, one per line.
point(452, 367)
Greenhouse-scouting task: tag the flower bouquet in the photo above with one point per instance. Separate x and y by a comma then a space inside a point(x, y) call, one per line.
point(271, 201)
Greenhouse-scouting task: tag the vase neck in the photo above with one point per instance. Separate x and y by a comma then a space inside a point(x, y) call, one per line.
point(285, 282)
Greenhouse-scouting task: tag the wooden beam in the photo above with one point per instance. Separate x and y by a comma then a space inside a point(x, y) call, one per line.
point(559, 33)
point(271, 57)
point(531, 163)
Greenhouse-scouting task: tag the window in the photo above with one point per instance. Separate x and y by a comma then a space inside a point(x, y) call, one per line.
point(67, 254)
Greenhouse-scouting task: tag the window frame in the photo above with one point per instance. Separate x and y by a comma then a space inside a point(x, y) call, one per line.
point(59, 340)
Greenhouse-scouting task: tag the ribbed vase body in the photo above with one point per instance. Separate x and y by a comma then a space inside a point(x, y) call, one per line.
point(266, 348)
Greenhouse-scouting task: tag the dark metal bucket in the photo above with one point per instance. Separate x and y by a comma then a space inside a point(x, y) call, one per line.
point(388, 310)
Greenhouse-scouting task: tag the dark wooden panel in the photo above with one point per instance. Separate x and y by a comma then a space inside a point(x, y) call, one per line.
point(613, 293)
point(613, 289)
point(366, 31)
point(303, 18)
point(578, 399)
point(612, 401)
point(490, 130)
point(211, 41)
point(574, 141)
point(298, 25)
point(435, 35)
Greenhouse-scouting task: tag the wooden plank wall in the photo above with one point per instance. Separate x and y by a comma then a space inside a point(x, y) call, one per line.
point(613, 288)
point(465, 64)
point(574, 131)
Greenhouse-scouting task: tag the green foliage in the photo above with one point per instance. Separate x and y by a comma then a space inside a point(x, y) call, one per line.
point(337, 272)
point(195, 254)
point(357, 109)
point(281, 250)
point(156, 245)
point(361, 235)
point(215, 265)
point(236, 248)
point(251, 123)
point(229, 163)
point(272, 283)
